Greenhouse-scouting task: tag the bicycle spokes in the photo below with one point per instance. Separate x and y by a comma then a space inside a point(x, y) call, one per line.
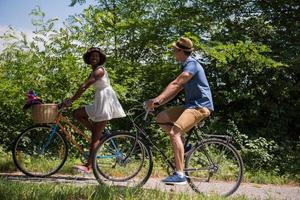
point(39, 152)
point(121, 159)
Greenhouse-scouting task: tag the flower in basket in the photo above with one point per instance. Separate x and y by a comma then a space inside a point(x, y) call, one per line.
point(32, 99)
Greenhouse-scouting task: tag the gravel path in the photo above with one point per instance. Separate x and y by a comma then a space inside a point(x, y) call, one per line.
point(252, 191)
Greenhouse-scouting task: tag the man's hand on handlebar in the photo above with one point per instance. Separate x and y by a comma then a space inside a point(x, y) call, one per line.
point(151, 104)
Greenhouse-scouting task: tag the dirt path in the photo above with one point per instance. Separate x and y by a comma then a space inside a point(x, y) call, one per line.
point(252, 191)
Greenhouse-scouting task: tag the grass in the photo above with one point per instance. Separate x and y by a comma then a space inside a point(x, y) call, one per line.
point(21, 190)
point(263, 177)
point(259, 177)
point(11, 190)
point(6, 162)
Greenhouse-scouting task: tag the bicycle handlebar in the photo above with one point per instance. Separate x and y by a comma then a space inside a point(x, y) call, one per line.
point(147, 111)
point(61, 106)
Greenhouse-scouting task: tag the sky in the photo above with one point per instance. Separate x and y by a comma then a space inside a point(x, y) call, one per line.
point(15, 13)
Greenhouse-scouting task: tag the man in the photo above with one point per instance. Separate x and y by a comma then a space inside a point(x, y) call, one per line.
point(198, 104)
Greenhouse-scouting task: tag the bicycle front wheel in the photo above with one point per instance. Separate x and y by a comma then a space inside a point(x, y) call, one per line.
point(39, 151)
point(122, 160)
point(214, 167)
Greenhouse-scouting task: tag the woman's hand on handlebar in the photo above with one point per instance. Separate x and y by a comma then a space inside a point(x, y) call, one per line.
point(65, 103)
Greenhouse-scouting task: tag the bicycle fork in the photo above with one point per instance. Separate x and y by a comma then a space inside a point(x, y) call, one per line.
point(49, 139)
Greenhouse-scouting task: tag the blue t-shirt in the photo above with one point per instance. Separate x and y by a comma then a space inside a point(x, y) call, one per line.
point(197, 90)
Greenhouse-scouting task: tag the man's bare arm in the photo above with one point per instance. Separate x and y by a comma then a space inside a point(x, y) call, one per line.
point(173, 88)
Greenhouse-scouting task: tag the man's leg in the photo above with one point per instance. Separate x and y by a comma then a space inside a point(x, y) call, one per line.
point(178, 149)
point(177, 144)
point(169, 115)
point(163, 117)
point(172, 115)
point(187, 119)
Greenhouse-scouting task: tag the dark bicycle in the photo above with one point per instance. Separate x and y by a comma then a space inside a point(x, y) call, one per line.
point(212, 165)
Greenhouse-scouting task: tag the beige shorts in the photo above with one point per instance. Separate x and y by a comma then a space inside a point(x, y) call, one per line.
point(186, 118)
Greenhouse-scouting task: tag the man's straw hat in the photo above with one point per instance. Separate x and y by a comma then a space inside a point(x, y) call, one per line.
point(184, 44)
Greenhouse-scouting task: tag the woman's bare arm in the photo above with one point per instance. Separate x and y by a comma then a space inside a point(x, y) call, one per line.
point(95, 75)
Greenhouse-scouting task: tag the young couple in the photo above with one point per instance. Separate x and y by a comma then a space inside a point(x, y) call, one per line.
point(198, 103)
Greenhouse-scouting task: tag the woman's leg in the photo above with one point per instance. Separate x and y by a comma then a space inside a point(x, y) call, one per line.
point(81, 115)
point(96, 135)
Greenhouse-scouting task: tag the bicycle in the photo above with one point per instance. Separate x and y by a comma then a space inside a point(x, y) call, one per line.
point(41, 150)
point(212, 163)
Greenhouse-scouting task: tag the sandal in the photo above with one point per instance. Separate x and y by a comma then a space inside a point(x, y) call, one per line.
point(83, 169)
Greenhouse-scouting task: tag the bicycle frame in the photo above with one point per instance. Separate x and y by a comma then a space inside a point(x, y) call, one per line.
point(152, 145)
point(58, 123)
point(141, 133)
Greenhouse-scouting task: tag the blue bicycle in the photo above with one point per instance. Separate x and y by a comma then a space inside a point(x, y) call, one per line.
point(41, 150)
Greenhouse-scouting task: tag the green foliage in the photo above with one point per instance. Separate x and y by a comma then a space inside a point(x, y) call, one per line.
point(259, 153)
point(252, 64)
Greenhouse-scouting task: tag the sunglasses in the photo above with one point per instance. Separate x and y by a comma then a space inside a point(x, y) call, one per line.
point(176, 50)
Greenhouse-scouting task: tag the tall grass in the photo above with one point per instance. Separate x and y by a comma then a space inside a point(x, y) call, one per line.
point(270, 177)
point(6, 162)
point(10, 190)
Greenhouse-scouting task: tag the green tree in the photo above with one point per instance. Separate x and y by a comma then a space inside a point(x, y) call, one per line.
point(250, 59)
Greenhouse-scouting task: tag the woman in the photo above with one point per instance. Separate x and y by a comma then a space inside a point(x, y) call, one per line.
point(105, 107)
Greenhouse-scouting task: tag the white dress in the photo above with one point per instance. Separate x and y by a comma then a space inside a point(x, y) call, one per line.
point(106, 105)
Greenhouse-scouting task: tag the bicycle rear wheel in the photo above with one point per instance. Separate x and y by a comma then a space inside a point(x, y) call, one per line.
point(214, 167)
point(122, 160)
point(40, 151)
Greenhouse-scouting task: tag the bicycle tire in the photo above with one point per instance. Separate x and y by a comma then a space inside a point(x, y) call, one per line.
point(121, 160)
point(32, 154)
point(214, 166)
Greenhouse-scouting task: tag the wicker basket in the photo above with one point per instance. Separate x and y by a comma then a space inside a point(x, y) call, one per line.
point(44, 113)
